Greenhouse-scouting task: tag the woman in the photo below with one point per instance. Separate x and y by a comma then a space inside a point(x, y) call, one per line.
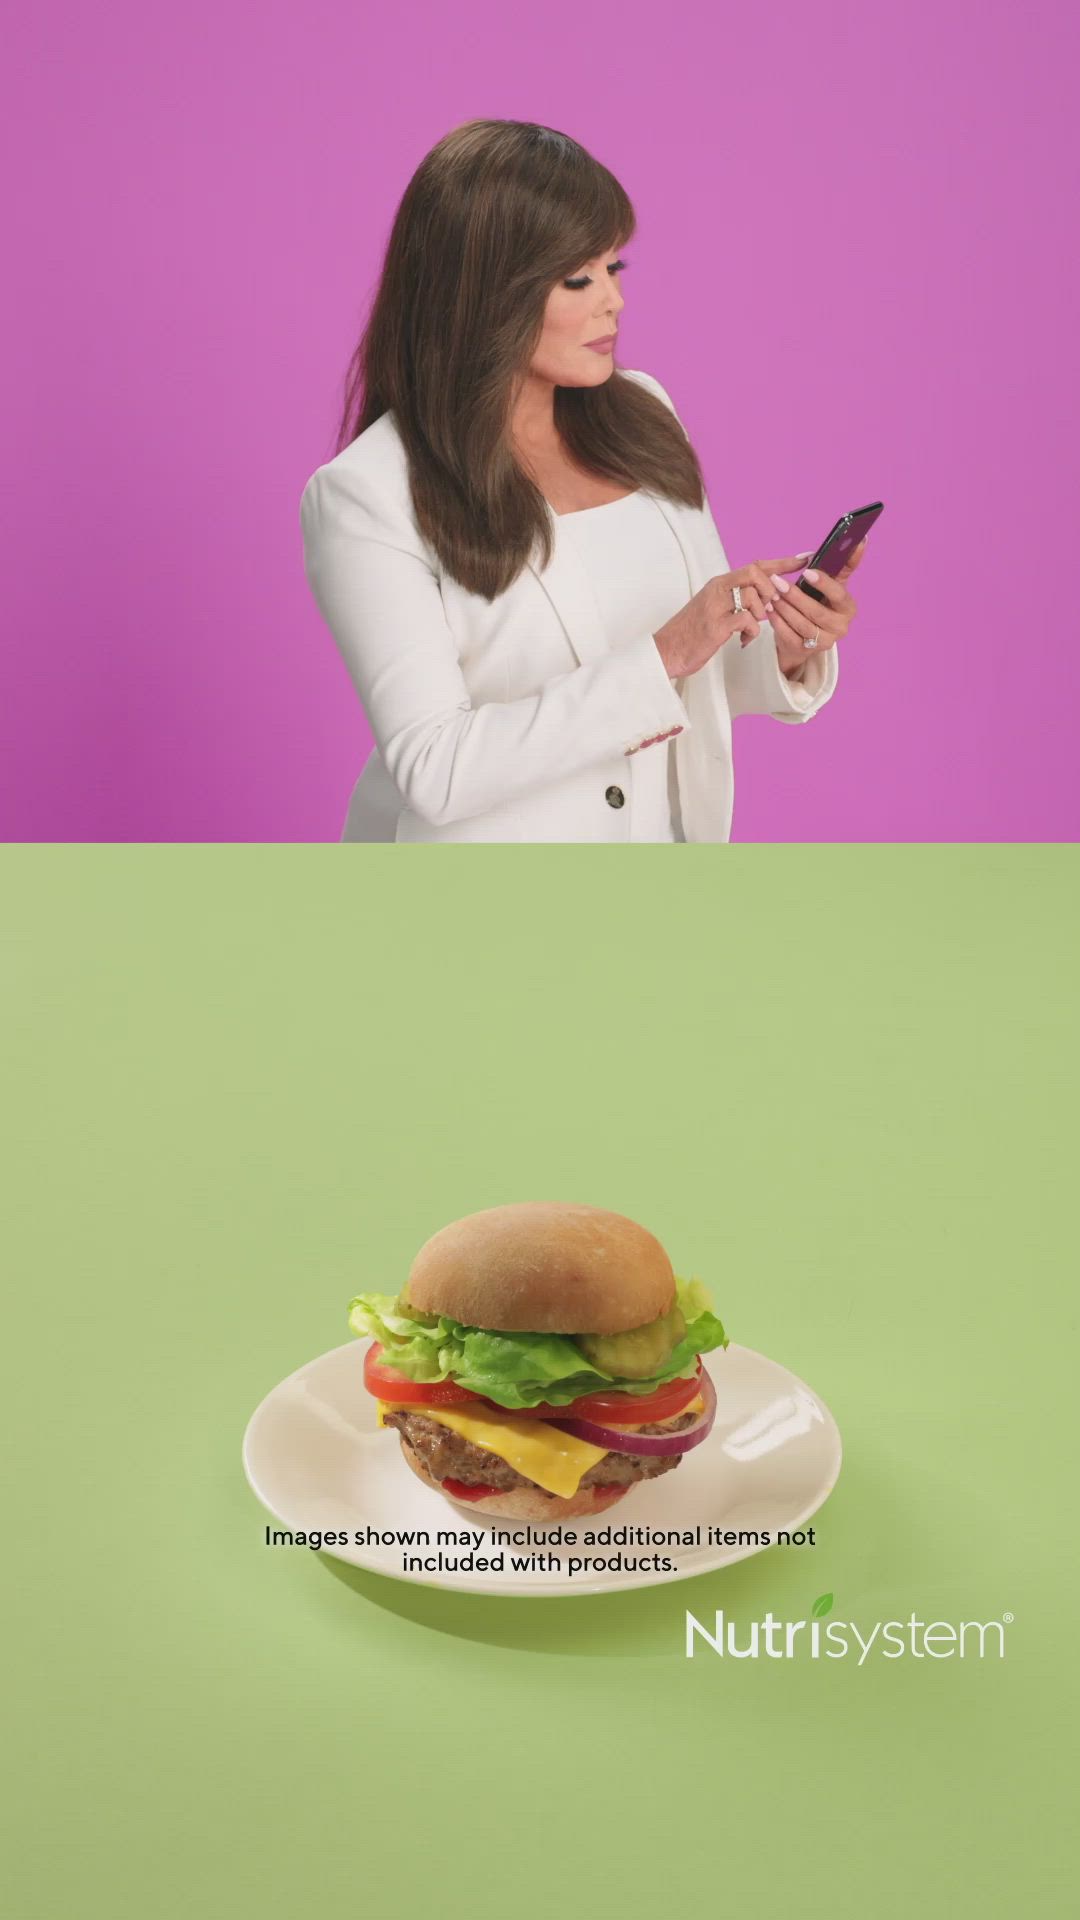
point(513, 548)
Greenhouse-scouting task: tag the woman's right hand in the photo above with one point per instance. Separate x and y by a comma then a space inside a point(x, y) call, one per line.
point(700, 628)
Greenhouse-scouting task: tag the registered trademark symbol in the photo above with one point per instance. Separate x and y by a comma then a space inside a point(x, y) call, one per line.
point(1008, 1619)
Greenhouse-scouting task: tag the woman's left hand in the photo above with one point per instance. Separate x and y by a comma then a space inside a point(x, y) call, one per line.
point(796, 616)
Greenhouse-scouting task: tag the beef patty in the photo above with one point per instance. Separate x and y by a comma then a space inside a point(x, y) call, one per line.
point(449, 1456)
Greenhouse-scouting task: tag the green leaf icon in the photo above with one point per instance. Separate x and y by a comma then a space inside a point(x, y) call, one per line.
point(822, 1605)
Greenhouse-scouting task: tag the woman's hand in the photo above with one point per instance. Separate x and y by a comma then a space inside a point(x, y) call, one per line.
point(699, 629)
point(796, 616)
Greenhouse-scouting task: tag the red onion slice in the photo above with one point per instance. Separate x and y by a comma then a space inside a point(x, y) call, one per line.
point(616, 1441)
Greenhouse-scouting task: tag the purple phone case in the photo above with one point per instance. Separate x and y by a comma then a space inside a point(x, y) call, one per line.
point(838, 544)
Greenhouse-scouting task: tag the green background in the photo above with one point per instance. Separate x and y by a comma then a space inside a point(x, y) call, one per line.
point(241, 1084)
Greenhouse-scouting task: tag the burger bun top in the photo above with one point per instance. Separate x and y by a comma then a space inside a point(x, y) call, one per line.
point(543, 1266)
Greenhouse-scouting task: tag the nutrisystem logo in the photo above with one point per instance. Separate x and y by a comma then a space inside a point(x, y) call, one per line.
point(822, 1639)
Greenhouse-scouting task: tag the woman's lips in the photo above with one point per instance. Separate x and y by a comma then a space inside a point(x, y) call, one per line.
point(601, 346)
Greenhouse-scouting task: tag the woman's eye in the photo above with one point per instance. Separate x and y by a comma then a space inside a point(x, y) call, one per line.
point(586, 279)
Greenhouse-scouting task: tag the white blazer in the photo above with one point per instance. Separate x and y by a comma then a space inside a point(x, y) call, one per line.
point(505, 720)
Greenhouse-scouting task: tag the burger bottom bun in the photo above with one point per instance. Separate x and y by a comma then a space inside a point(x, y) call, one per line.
point(523, 1503)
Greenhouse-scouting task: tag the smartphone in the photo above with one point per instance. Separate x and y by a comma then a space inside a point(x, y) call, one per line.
point(835, 548)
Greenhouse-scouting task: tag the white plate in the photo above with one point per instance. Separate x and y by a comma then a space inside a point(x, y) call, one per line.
point(315, 1457)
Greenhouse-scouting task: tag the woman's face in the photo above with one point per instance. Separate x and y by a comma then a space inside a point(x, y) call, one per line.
point(580, 310)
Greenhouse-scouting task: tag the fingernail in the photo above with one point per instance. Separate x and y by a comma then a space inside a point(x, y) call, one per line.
point(768, 606)
point(806, 555)
point(780, 585)
point(811, 573)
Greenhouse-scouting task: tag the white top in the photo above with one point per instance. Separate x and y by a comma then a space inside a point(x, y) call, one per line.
point(639, 577)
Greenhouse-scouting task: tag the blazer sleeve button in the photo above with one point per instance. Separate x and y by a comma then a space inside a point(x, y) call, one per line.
point(615, 797)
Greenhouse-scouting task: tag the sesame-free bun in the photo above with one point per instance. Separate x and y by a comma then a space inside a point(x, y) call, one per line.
point(543, 1266)
point(523, 1503)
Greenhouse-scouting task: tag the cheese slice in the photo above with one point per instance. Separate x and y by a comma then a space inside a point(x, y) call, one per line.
point(554, 1460)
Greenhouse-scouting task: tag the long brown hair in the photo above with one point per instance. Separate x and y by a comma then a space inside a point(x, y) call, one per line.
point(492, 219)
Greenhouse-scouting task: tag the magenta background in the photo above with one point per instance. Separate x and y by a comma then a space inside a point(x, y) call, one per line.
point(855, 272)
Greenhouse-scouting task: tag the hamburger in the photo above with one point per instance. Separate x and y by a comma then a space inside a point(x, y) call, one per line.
point(541, 1359)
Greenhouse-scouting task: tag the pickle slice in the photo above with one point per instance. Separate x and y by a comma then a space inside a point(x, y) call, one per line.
point(637, 1354)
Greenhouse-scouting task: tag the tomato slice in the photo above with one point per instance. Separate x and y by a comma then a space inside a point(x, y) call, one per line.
point(627, 1409)
point(631, 1409)
point(386, 1383)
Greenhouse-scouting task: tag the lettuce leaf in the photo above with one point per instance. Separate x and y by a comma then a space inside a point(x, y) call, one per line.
point(520, 1369)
